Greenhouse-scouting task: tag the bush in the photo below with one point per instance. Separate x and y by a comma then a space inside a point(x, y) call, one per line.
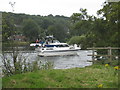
point(77, 40)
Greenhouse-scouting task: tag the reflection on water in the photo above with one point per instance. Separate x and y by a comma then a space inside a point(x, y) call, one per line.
point(63, 62)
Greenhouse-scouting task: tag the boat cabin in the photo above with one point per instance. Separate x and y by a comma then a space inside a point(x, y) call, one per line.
point(57, 45)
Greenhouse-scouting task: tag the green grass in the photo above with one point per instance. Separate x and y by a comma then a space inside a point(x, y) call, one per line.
point(0, 82)
point(88, 77)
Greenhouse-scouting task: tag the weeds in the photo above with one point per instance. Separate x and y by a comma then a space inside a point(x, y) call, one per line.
point(17, 64)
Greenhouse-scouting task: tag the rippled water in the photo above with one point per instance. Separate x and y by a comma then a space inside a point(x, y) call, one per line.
point(65, 62)
point(62, 62)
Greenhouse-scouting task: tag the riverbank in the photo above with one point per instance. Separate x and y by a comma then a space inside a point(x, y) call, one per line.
point(16, 43)
point(20, 45)
point(89, 77)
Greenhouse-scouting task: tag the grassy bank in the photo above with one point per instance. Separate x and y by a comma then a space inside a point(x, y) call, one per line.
point(15, 43)
point(89, 77)
point(7, 46)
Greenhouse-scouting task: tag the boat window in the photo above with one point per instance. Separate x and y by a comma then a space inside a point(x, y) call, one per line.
point(63, 45)
point(66, 45)
point(60, 45)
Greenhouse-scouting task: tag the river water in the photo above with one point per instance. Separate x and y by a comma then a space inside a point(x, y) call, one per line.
point(65, 62)
point(61, 62)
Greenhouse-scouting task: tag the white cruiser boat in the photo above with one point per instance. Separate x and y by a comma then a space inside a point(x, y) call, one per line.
point(52, 47)
point(57, 49)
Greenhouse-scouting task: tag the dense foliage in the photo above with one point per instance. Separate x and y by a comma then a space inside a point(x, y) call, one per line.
point(102, 31)
point(80, 28)
point(34, 26)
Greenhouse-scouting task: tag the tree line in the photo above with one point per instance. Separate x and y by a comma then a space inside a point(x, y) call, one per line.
point(80, 28)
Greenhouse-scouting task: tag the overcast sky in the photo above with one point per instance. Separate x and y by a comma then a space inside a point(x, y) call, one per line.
point(54, 7)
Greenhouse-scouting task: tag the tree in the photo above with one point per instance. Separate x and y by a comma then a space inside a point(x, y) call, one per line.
point(81, 23)
point(46, 22)
point(30, 30)
point(79, 16)
point(110, 14)
point(8, 28)
point(58, 31)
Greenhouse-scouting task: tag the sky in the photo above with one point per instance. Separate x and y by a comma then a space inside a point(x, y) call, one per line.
point(54, 7)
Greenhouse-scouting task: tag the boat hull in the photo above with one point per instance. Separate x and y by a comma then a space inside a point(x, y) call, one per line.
point(57, 53)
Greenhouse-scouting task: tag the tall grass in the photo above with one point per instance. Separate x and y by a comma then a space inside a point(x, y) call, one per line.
point(88, 77)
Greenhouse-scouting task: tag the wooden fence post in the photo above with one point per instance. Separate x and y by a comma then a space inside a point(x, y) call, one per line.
point(110, 53)
point(93, 58)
